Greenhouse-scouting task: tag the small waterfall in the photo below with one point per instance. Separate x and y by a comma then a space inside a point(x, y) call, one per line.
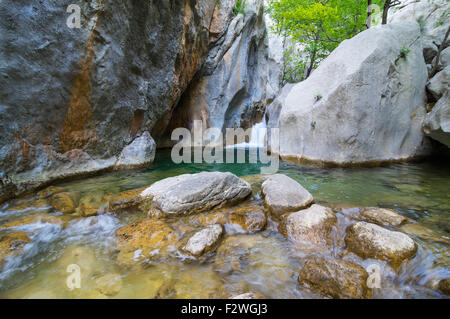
point(257, 136)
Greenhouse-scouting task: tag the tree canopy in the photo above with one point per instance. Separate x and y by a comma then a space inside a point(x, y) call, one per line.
point(318, 26)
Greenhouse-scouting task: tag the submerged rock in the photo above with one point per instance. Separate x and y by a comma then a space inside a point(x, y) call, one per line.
point(63, 202)
point(335, 278)
point(109, 285)
point(249, 218)
point(232, 254)
point(383, 217)
point(125, 199)
point(205, 219)
point(144, 241)
point(309, 225)
point(12, 244)
point(372, 241)
point(444, 286)
point(50, 219)
point(83, 256)
point(250, 295)
point(282, 194)
point(204, 240)
point(89, 205)
point(190, 193)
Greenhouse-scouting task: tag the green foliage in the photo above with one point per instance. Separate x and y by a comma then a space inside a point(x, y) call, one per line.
point(239, 7)
point(442, 19)
point(422, 22)
point(293, 65)
point(404, 52)
point(318, 26)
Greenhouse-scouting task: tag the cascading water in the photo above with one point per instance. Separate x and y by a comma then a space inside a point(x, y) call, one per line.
point(257, 136)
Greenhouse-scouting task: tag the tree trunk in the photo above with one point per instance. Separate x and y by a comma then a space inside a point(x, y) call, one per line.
point(386, 7)
point(311, 65)
point(438, 55)
point(369, 14)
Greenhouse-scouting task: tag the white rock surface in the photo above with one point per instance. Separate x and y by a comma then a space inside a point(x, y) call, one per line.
point(364, 103)
point(196, 192)
point(140, 152)
point(383, 217)
point(439, 84)
point(435, 16)
point(204, 239)
point(309, 225)
point(372, 241)
point(282, 194)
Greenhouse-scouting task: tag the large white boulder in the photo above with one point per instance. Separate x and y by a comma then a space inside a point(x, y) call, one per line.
point(190, 193)
point(364, 103)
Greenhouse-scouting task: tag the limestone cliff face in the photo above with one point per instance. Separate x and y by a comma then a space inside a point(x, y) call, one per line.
point(73, 99)
point(231, 89)
point(434, 19)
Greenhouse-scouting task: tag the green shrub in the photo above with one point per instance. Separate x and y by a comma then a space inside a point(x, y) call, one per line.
point(239, 7)
point(404, 52)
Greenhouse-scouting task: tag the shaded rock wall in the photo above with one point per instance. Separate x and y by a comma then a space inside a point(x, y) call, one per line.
point(230, 90)
point(73, 99)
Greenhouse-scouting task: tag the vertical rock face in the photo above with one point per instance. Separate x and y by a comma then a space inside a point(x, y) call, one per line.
point(364, 103)
point(433, 17)
point(73, 98)
point(231, 88)
point(437, 122)
point(275, 61)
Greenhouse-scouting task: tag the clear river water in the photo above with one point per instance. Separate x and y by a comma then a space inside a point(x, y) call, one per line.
point(419, 191)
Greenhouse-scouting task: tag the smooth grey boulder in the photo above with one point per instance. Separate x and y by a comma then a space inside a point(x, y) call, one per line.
point(190, 193)
point(383, 217)
point(372, 241)
point(139, 153)
point(73, 98)
point(437, 122)
point(312, 225)
point(204, 240)
point(282, 194)
point(364, 103)
point(439, 84)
